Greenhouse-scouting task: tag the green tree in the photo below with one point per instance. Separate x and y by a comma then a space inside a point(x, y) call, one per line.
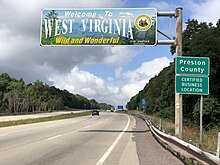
point(16, 97)
point(211, 112)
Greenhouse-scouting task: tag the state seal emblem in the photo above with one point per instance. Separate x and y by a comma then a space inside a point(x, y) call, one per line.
point(143, 22)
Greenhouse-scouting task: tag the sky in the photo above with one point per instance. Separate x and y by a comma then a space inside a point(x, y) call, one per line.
point(108, 74)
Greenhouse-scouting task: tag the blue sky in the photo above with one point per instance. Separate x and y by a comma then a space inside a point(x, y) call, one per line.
point(107, 74)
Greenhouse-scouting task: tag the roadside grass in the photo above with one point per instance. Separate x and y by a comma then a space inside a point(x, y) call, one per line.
point(209, 138)
point(191, 133)
point(166, 124)
point(125, 111)
point(43, 119)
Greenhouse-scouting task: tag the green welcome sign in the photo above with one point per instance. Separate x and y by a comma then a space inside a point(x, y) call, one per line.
point(83, 27)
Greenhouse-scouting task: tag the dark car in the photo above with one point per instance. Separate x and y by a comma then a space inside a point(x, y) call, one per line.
point(95, 112)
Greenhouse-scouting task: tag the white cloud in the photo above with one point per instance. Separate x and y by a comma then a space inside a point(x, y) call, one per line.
point(110, 79)
point(119, 56)
point(79, 81)
point(147, 69)
point(132, 88)
point(140, 76)
point(118, 72)
point(111, 90)
point(87, 84)
point(205, 11)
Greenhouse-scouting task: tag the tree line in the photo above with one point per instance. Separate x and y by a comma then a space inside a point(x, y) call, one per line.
point(17, 97)
point(199, 40)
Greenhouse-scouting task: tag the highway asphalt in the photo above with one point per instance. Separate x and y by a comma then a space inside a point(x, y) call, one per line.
point(110, 138)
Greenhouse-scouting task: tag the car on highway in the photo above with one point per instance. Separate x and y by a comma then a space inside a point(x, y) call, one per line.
point(95, 112)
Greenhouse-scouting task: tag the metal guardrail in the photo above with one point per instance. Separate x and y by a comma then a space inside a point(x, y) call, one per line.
point(181, 147)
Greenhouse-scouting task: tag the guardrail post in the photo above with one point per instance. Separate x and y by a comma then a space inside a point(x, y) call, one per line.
point(218, 146)
point(160, 124)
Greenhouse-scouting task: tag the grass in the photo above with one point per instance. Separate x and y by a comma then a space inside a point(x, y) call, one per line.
point(191, 133)
point(167, 125)
point(43, 119)
point(209, 139)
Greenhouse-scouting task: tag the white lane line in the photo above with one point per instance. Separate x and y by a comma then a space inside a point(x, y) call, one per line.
point(3, 135)
point(107, 153)
point(54, 137)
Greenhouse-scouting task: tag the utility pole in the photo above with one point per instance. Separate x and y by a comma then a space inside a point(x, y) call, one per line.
point(178, 42)
point(178, 97)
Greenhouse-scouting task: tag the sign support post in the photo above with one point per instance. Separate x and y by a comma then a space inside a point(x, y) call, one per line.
point(178, 97)
point(201, 108)
point(218, 146)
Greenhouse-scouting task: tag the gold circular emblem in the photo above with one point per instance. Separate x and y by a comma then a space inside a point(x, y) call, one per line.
point(143, 22)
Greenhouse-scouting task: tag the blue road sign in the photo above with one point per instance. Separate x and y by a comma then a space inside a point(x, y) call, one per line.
point(120, 107)
point(143, 104)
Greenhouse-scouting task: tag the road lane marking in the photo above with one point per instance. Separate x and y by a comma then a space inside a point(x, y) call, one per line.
point(107, 153)
point(54, 137)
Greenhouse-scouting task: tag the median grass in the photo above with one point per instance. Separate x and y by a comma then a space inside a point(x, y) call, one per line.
point(42, 119)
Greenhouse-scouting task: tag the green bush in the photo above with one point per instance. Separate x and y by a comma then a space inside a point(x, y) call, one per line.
point(211, 112)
